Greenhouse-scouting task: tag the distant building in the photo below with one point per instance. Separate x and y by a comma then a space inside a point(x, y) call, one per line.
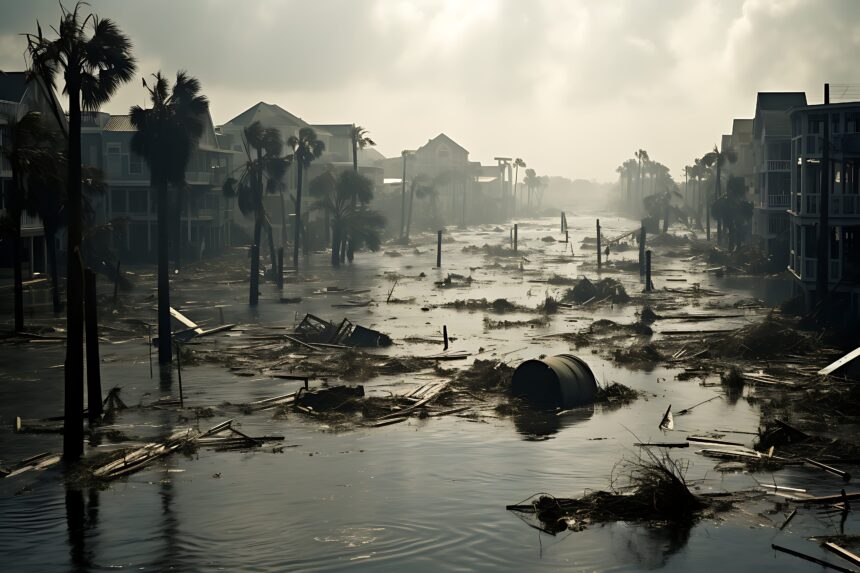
point(18, 97)
point(806, 144)
point(772, 161)
point(741, 141)
point(203, 221)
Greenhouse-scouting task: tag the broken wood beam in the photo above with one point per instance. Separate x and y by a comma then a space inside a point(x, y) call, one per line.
point(842, 552)
point(830, 469)
point(810, 558)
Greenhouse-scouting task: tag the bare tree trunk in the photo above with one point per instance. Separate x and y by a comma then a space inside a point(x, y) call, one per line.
point(165, 350)
point(298, 215)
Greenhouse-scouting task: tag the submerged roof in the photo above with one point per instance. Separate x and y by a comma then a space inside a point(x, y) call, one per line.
point(12, 86)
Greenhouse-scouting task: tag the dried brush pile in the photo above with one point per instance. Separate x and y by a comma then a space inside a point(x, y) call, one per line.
point(773, 337)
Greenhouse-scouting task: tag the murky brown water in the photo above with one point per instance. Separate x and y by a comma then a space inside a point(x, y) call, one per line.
point(427, 495)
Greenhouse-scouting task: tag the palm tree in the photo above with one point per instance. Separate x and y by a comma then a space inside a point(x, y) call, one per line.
point(716, 159)
point(733, 211)
point(95, 58)
point(642, 158)
point(423, 187)
point(360, 140)
point(334, 196)
point(531, 182)
point(270, 166)
point(166, 136)
point(518, 162)
point(306, 148)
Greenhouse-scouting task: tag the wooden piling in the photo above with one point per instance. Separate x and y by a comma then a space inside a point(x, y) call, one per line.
point(599, 261)
point(642, 237)
point(561, 221)
point(116, 281)
point(515, 237)
point(279, 272)
point(94, 382)
point(439, 249)
point(445, 335)
point(179, 371)
point(566, 237)
point(649, 286)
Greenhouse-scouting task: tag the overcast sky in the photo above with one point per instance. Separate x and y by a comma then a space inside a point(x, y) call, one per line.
point(572, 87)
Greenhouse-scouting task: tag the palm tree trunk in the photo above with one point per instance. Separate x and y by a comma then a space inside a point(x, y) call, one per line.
point(272, 252)
point(177, 247)
point(16, 264)
point(283, 221)
point(73, 420)
point(50, 238)
point(335, 245)
point(165, 347)
point(254, 293)
point(298, 216)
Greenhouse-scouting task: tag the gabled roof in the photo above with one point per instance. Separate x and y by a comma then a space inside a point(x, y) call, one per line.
point(442, 138)
point(12, 86)
point(268, 114)
point(782, 101)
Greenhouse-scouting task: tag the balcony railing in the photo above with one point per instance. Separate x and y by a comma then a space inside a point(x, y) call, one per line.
point(807, 268)
point(778, 201)
point(777, 165)
point(840, 205)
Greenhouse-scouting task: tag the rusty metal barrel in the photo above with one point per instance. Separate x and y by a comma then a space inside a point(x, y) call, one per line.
point(561, 381)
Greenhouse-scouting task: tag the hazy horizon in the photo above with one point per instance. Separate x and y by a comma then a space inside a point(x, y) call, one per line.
point(573, 88)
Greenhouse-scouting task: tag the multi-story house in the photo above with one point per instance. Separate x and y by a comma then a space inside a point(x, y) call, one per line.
point(203, 216)
point(806, 146)
point(20, 95)
point(772, 160)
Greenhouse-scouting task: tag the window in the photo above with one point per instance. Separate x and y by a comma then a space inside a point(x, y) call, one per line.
point(852, 122)
point(135, 164)
point(114, 148)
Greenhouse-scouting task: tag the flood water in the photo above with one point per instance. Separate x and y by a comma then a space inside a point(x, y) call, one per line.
point(427, 495)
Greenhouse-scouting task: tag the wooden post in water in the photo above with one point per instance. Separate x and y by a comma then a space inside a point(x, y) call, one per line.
point(562, 221)
point(566, 236)
point(94, 382)
point(515, 237)
point(439, 249)
point(599, 261)
point(116, 281)
point(279, 272)
point(642, 236)
point(649, 286)
point(445, 335)
point(179, 371)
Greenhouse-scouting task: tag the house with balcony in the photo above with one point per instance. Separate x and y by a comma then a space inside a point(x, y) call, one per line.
point(771, 157)
point(19, 95)
point(202, 224)
point(807, 139)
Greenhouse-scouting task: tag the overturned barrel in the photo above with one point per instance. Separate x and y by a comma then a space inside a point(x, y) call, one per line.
point(561, 381)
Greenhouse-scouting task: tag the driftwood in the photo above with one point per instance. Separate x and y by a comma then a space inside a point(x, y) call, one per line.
point(811, 558)
point(842, 552)
point(37, 462)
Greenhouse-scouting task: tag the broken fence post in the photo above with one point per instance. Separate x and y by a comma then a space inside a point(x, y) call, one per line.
point(566, 237)
point(445, 335)
point(649, 286)
point(599, 262)
point(515, 237)
point(439, 249)
point(94, 382)
point(642, 238)
point(562, 221)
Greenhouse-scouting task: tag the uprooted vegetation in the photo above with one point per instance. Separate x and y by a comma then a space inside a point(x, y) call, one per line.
point(773, 337)
point(607, 289)
point(655, 491)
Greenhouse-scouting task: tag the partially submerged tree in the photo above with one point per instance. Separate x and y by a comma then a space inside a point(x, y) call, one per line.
point(306, 148)
point(717, 159)
point(360, 225)
point(166, 136)
point(94, 57)
point(263, 171)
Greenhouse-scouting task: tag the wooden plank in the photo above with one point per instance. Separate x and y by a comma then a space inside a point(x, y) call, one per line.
point(842, 552)
point(830, 469)
point(833, 367)
point(185, 321)
point(811, 558)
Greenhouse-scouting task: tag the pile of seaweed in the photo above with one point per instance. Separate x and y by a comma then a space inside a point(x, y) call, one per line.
point(485, 376)
point(773, 337)
point(616, 393)
point(606, 326)
point(541, 321)
point(605, 289)
point(498, 305)
point(668, 240)
point(656, 492)
point(640, 356)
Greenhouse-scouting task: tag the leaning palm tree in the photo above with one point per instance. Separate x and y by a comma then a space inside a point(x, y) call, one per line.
point(94, 57)
point(166, 136)
point(717, 159)
point(259, 174)
point(306, 148)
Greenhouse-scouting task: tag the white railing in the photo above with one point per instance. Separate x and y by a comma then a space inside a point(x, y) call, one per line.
point(840, 205)
point(778, 201)
point(777, 165)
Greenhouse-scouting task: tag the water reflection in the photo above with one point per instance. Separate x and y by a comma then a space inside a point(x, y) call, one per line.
point(169, 556)
point(165, 377)
point(650, 546)
point(81, 517)
point(537, 425)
